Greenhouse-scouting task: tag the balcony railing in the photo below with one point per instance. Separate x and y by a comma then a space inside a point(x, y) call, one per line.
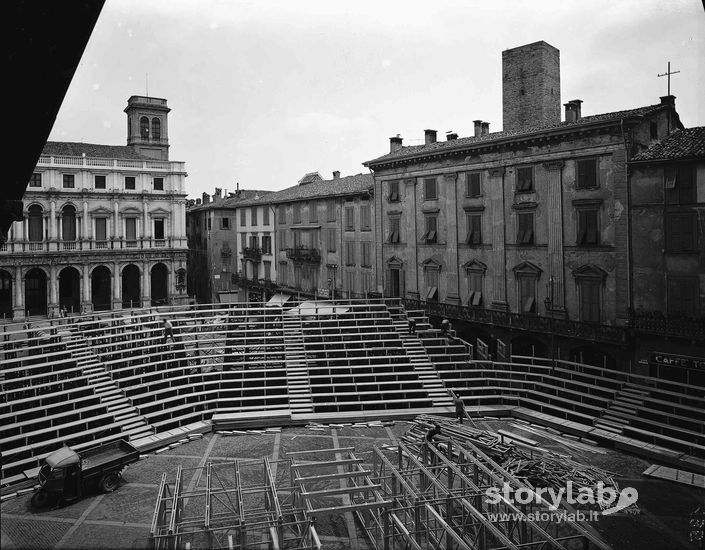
point(533, 323)
point(301, 254)
point(655, 322)
point(83, 245)
point(251, 253)
point(152, 165)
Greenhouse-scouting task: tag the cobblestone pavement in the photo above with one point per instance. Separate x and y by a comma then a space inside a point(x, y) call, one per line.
point(122, 519)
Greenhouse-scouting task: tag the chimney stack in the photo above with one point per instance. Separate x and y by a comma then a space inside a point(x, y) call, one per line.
point(395, 143)
point(572, 110)
point(336, 174)
point(478, 127)
point(450, 136)
point(206, 198)
point(430, 136)
point(485, 128)
point(668, 100)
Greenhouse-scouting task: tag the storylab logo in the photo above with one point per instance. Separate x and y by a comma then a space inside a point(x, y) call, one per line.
point(608, 499)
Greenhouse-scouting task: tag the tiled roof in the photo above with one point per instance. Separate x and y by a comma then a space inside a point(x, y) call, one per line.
point(349, 185)
point(73, 149)
point(688, 143)
point(464, 142)
point(246, 195)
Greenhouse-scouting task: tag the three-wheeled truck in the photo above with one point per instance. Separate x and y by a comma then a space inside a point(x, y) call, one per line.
point(65, 475)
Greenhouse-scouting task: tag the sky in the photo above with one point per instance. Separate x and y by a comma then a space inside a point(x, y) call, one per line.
point(263, 92)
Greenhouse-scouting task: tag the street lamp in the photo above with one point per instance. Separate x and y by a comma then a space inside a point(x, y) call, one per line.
point(548, 302)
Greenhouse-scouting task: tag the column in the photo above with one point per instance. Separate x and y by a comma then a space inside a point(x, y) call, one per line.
point(410, 235)
point(53, 291)
point(554, 194)
point(145, 220)
point(116, 219)
point(18, 306)
point(117, 286)
point(146, 299)
point(85, 233)
point(52, 221)
point(451, 231)
point(86, 305)
point(497, 276)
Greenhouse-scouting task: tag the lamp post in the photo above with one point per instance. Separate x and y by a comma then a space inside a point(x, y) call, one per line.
point(548, 303)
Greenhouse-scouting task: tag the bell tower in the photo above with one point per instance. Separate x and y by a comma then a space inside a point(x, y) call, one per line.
point(147, 127)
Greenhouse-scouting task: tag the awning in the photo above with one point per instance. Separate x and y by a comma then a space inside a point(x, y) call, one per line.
point(279, 299)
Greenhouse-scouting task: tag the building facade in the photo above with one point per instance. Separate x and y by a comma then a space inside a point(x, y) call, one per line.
point(522, 232)
point(104, 226)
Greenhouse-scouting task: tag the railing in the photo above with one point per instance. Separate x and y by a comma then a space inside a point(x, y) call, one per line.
point(166, 166)
point(532, 323)
point(252, 253)
point(655, 322)
point(83, 245)
point(301, 254)
point(69, 245)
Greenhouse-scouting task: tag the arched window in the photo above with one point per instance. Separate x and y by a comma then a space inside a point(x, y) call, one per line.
point(36, 223)
point(156, 128)
point(68, 223)
point(144, 127)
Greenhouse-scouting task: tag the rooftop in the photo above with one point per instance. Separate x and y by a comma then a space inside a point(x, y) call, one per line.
point(76, 149)
point(684, 144)
point(349, 185)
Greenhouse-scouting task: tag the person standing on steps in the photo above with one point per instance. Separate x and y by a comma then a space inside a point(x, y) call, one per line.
point(459, 406)
point(412, 326)
point(168, 331)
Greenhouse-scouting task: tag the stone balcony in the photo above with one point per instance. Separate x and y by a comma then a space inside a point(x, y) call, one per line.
point(304, 254)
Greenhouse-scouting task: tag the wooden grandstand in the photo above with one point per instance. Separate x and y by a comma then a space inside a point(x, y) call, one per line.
point(100, 377)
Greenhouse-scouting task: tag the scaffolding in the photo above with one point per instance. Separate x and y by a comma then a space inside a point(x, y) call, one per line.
point(405, 497)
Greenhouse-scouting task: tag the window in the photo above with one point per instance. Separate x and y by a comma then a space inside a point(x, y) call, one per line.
point(474, 279)
point(208, 222)
point(159, 229)
point(394, 226)
point(393, 191)
point(430, 189)
point(35, 180)
point(588, 227)
point(589, 290)
point(144, 127)
point(158, 184)
point(332, 240)
point(682, 295)
point(349, 253)
point(243, 240)
point(653, 130)
point(365, 217)
point(680, 185)
point(130, 182)
point(525, 179)
point(282, 273)
point(587, 176)
point(101, 229)
point(36, 223)
point(297, 212)
point(431, 281)
point(366, 253)
point(69, 181)
point(99, 182)
point(281, 239)
point(525, 233)
point(527, 294)
point(472, 184)
point(156, 129)
point(681, 231)
point(267, 271)
point(130, 229)
point(266, 244)
point(265, 215)
point(349, 218)
point(225, 223)
point(312, 212)
point(68, 223)
point(254, 241)
point(474, 224)
point(431, 234)
point(281, 214)
point(330, 211)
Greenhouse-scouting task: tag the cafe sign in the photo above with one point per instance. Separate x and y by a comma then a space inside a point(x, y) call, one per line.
point(681, 361)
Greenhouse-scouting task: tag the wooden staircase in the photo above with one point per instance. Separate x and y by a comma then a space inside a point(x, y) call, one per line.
point(616, 416)
point(298, 383)
point(132, 423)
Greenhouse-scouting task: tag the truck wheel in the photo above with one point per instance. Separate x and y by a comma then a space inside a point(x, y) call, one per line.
point(41, 499)
point(108, 483)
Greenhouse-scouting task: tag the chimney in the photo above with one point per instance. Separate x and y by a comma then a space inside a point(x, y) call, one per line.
point(206, 198)
point(395, 143)
point(336, 174)
point(531, 87)
point(668, 100)
point(572, 110)
point(450, 136)
point(485, 128)
point(478, 127)
point(217, 194)
point(430, 136)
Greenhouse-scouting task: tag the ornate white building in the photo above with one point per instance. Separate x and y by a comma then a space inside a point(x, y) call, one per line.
point(104, 226)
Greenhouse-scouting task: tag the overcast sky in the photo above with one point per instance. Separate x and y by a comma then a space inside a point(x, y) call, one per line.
point(263, 92)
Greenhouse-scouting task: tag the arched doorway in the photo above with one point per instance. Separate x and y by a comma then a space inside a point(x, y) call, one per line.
point(35, 296)
point(5, 294)
point(159, 285)
point(131, 292)
point(100, 288)
point(70, 289)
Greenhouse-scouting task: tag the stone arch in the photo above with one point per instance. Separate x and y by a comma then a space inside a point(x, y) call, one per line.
point(131, 282)
point(35, 291)
point(6, 288)
point(101, 285)
point(159, 284)
point(70, 289)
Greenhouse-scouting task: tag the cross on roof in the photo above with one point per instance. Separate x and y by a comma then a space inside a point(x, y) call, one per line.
point(668, 73)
